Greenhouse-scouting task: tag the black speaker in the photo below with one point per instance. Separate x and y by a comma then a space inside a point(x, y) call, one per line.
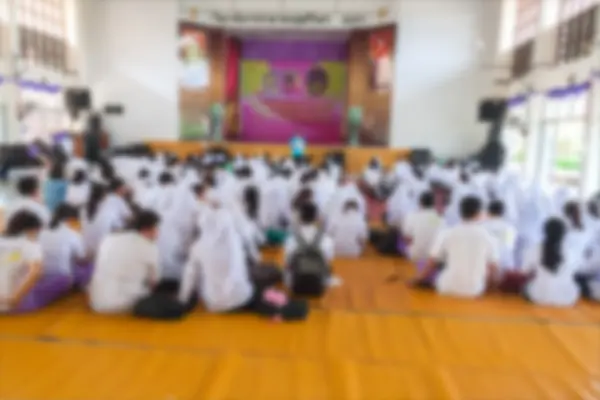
point(491, 109)
point(78, 99)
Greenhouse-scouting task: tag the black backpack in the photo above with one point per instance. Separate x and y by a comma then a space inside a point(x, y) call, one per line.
point(308, 268)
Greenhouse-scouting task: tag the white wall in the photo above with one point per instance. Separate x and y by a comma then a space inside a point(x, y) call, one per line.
point(131, 59)
point(442, 46)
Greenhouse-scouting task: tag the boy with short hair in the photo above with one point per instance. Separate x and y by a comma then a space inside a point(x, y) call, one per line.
point(421, 228)
point(467, 252)
point(29, 200)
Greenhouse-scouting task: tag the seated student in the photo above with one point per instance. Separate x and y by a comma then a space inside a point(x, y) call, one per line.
point(504, 234)
point(552, 267)
point(468, 255)
point(106, 212)
point(78, 190)
point(252, 200)
point(371, 178)
point(217, 272)
point(165, 193)
point(23, 285)
point(55, 187)
point(308, 255)
point(144, 190)
point(349, 230)
point(63, 249)
point(421, 229)
point(29, 200)
point(126, 267)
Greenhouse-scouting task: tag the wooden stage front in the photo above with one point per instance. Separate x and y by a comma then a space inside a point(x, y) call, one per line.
point(356, 157)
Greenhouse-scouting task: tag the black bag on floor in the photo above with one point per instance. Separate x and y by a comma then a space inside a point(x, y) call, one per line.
point(160, 306)
point(265, 275)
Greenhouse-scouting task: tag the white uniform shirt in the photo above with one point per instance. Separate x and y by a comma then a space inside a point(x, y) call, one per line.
point(78, 195)
point(60, 247)
point(126, 262)
point(15, 254)
point(553, 289)
point(505, 238)
point(112, 214)
point(422, 227)
point(349, 232)
point(467, 249)
point(31, 205)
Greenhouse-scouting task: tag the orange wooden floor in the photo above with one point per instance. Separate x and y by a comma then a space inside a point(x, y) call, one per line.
point(369, 339)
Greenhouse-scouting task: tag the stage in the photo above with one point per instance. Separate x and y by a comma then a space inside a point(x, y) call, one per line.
point(356, 157)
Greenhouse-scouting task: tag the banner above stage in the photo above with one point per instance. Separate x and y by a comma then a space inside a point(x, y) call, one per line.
point(288, 20)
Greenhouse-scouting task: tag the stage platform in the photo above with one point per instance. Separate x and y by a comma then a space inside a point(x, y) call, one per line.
point(356, 157)
point(369, 339)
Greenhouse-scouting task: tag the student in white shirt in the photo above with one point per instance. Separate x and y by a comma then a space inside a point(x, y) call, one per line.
point(309, 229)
point(468, 255)
point(106, 212)
point(218, 273)
point(21, 260)
point(421, 229)
point(553, 266)
point(165, 193)
point(126, 267)
point(372, 176)
point(144, 190)
point(62, 247)
point(504, 234)
point(78, 191)
point(349, 230)
point(29, 200)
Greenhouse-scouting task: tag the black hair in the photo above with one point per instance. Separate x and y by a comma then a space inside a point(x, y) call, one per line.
point(309, 176)
point(464, 176)
point(79, 177)
point(57, 170)
point(351, 205)
point(143, 173)
point(199, 189)
point(97, 194)
point(166, 178)
point(252, 201)
point(243, 172)
point(554, 233)
point(573, 213)
point(374, 163)
point(286, 173)
point(305, 195)
point(427, 200)
point(470, 207)
point(115, 185)
point(145, 219)
point(308, 213)
point(496, 208)
point(28, 186)
point(210, 180)
point(21, 222)
point(62, 213)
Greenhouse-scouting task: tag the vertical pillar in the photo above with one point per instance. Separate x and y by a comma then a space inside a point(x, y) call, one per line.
point(12, 87)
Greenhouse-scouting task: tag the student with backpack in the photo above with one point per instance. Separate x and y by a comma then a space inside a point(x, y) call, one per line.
point(308, 255)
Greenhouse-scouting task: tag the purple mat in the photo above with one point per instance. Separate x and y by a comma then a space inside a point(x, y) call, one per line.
point(48, 289)
point(82, 274)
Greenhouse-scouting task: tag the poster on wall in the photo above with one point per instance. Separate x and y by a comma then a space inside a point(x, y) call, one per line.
point(193, 57)
point(381, 56)
point(194, 81)
point(284, 95)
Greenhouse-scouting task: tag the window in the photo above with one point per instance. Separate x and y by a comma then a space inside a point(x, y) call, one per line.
point(42, 31)
point(528, 20)
point(565, 121)
point(515, 133)
point(575, 37)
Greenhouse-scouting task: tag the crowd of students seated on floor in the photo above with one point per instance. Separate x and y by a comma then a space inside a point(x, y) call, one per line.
point(471, 231)
point(153, 235)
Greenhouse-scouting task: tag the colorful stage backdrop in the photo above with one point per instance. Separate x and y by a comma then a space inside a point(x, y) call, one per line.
point(289, 88)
